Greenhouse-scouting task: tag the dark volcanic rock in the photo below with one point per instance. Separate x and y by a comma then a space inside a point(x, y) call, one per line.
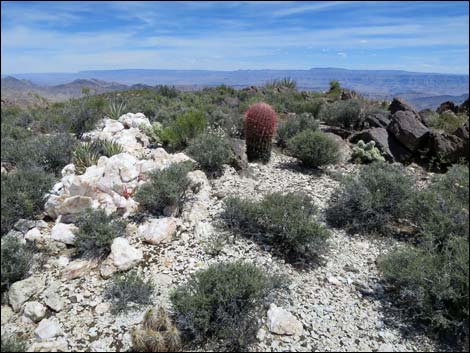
point(388, 145)
point(446, 148)
point(427, 115)
point(336, 130)
point(449, 105)
point(463, 133)
point(376, 120)
point(407, 129)
point(399, 104)
point(465, 107)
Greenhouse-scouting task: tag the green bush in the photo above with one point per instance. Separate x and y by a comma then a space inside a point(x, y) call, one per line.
point(186, 127)
point(129, 288)
point(373, 200)
point(96, 232)
point(84, 113)
point(16, 261)
point(23, 194)
point(345, 114)
point(12, 344)
point(49, 152)
point(165, 188)
point(285, 222)
point(211, 151)
point(314, 148)
point(293, 126)
point(448, 121)
point(222, 303)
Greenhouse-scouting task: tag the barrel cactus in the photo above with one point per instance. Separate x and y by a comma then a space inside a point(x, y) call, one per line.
point(260, 127)
point(366, 152)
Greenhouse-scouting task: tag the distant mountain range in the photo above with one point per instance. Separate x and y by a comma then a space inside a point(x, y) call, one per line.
point(425, 90)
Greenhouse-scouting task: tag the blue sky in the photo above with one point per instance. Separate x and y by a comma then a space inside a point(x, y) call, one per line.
point(79, 35)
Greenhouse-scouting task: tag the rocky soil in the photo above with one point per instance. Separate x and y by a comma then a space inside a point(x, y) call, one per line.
point(339, 305)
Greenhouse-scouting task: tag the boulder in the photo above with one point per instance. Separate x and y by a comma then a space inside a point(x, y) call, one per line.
point(24, 225)
point(282, 322)
point(78, 268)
point(112, 126)
point(158, 231)
point(239, 159)
point(385, 142)
point(407, 129)
point(69, 169)
point(34, 311)
point(59, 345)
point(376, 120)
point(427, 116)
point(137, 120)
point(123, 255)
point(446, 148)
point(53, 300)
point(48, 328)
point(336, 130)
point(21, 291)
point(64, 233)
point(33, 235)
point(345, 150)
point(399, 104)
point(464, 108)
point(449, 105)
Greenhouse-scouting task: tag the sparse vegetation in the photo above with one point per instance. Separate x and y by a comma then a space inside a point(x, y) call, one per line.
point(129, 288)
point(372, 201)
point(88, 153)
point(13, 344)
point(222, 304)
point(16, 261)
point(314, 148)
point(366, 153)
point(186, 127)
point(283, 221)
point(23, 195)
point(211, 151)
point(165, 188)
point(345, 114)
point(293, 126)
point(96, 232)
point(447, 121)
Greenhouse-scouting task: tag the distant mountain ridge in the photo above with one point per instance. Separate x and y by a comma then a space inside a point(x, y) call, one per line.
point(422, 89)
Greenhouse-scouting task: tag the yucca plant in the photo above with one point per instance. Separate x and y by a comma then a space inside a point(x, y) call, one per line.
point(115, 109)
point(88, 153)
point(84, 156)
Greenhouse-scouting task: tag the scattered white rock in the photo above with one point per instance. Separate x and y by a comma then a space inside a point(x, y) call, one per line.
point(78, 268)
point(282, 322)
point(34, 311)
point(59, 345)
point(123, 255)
point(64, 233)
point(137, 120)
point(53, 300)
point(33, 235)
point(158, 231)
point(48, 328)
point(21, 291)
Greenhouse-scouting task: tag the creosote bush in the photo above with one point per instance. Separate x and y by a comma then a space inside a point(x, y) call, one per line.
point(165, 188)
point(345, 114)
point(96, 232)
point(373, 200)
point(23, 195)
point(16, 261)
point(211, 151)
point(157, 333)
point(431, 279)
point(222, 304)
point(129, 288)
point(448, 121)
point(288, 129)
point(286, 222)
point(184, 128)
point(314, 148)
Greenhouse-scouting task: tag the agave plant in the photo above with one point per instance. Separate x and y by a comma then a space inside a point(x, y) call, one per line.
point(106, 148)
point(84, 156)
point(115, 109)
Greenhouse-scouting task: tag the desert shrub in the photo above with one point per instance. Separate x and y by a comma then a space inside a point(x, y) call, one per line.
point(432, 284)
point(373, 200)
point(285, 82)
point(166, 91)
point(288, 129)
point(96, 232)
point(335, 89)
point(366, 153)
point(186, 127)
point(157, 333)
point(154, 132)
point(314, 148)
point(87, 154)
point(23, 195)
point(84, 113)
point(222, 303)
point(232, 123)
point(49, 152)
point(165, 188)
point(285, 222)
point(211, 151)
point(12, 344)
point(448, 121)
point(128, 288)
point(16, 261)
point(345, 114)
point(312, 107)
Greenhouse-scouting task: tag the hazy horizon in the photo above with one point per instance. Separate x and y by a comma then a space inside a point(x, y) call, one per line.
point(69, 37)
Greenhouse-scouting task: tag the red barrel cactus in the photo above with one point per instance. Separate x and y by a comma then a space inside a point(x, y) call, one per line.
point(260, 127)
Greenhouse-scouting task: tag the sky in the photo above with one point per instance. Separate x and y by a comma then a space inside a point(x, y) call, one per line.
point(73, 36)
